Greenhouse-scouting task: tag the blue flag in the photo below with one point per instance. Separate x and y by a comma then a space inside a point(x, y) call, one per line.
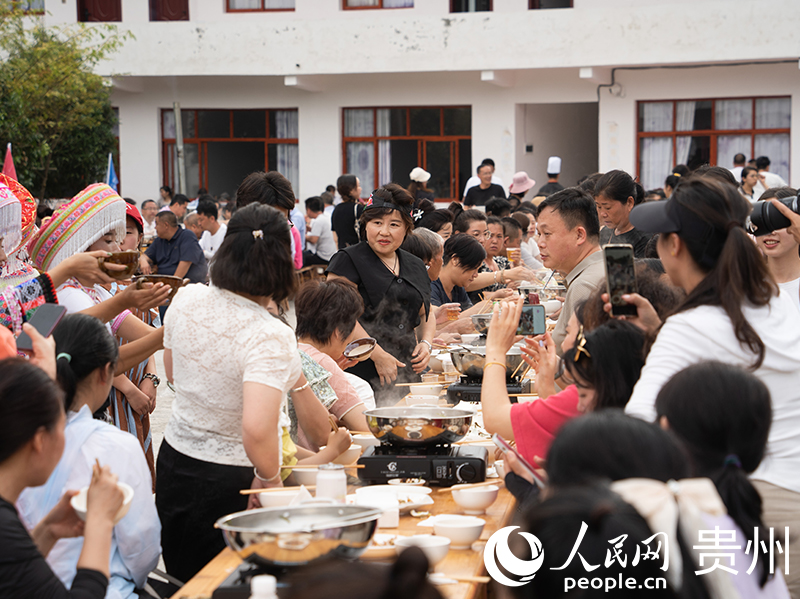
point(111, 175)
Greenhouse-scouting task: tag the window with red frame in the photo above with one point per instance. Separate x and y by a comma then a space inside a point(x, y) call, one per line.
point(383, 145)
point(222, 147)
point(258, 5)
point(348, 4)
point(697, 132)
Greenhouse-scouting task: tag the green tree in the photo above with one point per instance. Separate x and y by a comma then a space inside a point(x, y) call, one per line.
point(53, 108)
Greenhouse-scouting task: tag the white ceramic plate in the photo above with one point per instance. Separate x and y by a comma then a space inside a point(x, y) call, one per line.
point(407, 499)
point(381, 547)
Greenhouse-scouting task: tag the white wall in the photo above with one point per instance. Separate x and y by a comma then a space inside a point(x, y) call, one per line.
point(565, 130)
point(618, 116)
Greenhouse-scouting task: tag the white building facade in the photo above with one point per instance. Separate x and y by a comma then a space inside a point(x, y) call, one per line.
point(316, 88)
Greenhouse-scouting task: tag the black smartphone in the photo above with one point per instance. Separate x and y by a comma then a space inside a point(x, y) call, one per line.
point(532, 320)
point(505, 447)
point(620, 277)
point(44, 319)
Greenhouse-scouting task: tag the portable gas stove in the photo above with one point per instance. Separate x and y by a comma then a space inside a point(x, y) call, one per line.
point(442, 465)
point(237, 585)
point(469, 389)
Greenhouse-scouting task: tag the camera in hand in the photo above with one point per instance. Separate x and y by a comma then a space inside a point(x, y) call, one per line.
point(766, 218)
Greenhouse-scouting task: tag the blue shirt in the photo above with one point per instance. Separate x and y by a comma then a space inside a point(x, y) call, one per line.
point(439, 297)
point(299, 222)
point(183, 247)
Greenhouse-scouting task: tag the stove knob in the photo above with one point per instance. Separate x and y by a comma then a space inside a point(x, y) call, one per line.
point(466, 473)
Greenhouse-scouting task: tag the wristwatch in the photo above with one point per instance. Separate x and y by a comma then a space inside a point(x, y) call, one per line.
point(152, 377)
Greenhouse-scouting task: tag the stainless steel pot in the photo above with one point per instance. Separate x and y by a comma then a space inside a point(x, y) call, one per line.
point(299, 535)
point(419, 426)
point(471, 362)
point(481, 322)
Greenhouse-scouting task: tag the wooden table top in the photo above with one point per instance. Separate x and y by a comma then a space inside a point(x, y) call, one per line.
point(458, 563)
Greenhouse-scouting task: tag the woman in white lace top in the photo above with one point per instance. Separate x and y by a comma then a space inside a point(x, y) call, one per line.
point(232, 363)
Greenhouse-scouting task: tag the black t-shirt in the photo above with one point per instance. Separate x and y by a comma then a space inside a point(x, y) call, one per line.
point(550, 188)
point(478, 197)
point(24, 573)
point(439, 296)
point(635, 237)
point(343, 222)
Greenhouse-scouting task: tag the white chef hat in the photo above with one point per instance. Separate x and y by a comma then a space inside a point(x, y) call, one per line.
point(553, 165)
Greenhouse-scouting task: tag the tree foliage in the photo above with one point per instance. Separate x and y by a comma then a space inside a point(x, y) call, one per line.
point(53, 108)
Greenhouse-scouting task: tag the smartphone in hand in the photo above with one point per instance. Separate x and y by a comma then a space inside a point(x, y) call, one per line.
point(532, 320)
point(44, 319)
point(620, 277)
point(506, 448)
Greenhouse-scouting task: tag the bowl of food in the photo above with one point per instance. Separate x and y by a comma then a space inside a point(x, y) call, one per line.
point(360, 349)
point(78, 502)
point(462, 531)
point(481, 322)
point(299, 534)
point(174, 282)
point(475, 500)
point(349, 455)
point(434, 548)
point(129, 259)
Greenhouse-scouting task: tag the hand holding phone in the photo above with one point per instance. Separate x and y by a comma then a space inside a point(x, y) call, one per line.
point(620, 277)
point(506, 448)
point(532, 320)
point(44, 320)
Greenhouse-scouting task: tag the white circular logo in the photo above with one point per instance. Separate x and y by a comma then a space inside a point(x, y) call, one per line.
point(526, 570)
point(392, 466)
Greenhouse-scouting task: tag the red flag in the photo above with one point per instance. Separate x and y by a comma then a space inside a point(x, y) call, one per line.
point(8, 164)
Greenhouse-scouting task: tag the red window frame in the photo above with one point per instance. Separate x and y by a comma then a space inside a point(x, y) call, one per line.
point(379, 6)
point(711, 133)
point(193, 138)
point(262, 9)
point(421, 143)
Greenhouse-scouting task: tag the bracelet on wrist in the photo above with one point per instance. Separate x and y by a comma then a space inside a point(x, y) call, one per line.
point(152, 377)
point(428, 343)
point(266, 480)
point(487, 364)
point(306, 386)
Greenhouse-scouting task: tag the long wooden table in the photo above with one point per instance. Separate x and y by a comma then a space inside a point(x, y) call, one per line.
point(458, 563)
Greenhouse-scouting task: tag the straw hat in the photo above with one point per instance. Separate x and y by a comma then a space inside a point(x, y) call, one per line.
point(75, 226)
point(521, 183)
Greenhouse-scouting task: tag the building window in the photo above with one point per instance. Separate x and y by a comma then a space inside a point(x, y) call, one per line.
point(543, 4)
point(697, 132)
point(258, 5)
point(470, 5)
point(348, 4)
point(222, 147)
point(169, 10)
point(383, 145)
point(31, 7)
point(104, 11)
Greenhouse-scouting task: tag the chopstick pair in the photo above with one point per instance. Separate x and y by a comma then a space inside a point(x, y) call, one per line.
point(471, 486)
point(272, 489)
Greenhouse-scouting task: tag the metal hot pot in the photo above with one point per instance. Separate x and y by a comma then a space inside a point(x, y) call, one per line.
point(419, 426)
point(470, 361)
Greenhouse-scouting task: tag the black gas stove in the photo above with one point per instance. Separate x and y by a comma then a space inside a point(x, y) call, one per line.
point(469, 389)
point(440, 465)
point(237, 585)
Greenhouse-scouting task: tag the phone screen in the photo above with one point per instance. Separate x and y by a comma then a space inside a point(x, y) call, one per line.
point(620, 277)
point(506, 448)
point(532, 320)
point(44, 320)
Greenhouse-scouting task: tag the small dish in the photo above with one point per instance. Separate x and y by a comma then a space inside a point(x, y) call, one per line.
point(475, 500)
point(278, 498)
point(366, 440)
point(427, 390)
point(305, 476)
point(416, 400)
point(407, 482)
point(434, 548)
point(360, 349)
point(462, 531)
point(78, 502)
point(382, 546)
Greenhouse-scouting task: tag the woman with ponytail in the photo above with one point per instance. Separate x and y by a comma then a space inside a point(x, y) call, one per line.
point(735, 313)
point(616, 194)
point(723, 416)
point(232, 364)
point(86, 356)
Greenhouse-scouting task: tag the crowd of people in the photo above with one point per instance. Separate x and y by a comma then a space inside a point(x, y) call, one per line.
point(681, 418)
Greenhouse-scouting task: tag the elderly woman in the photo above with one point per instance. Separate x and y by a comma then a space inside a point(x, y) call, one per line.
point(396, 291)
point(232, 364)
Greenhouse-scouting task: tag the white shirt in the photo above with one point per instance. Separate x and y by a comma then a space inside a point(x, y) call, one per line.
point(792, 289)
point(737, 173)
point(212, 358)
point(325, 247)
point(771, 179)
point(475, 180)
point(149, 228)
point(329, 209)
point(706, 333)
point(210, 243)
point(136, 543)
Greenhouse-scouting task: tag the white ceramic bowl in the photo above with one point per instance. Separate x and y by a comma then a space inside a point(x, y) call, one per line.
point(416, 400)
point(365, 440)
point(278, 498)
point(435, 548)
point(349, 456)
point(462, 531)
point(434, 390)
point(475, 500)
point(500, 468)
point(78, 502)
point(303, 476)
